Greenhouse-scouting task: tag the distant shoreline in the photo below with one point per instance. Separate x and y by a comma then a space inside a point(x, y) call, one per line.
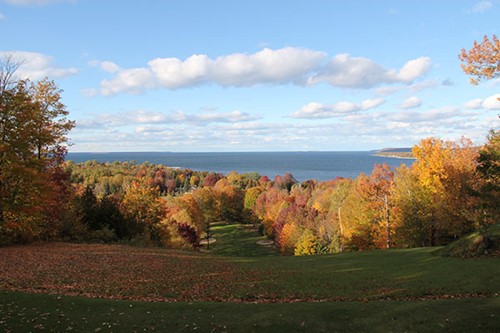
point(396, 155)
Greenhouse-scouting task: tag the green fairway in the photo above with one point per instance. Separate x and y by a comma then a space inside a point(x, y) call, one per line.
point(239, 240)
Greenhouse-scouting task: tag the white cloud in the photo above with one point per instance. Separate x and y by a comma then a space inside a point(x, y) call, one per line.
point(411, 102)
point(397, 124)
point(474, 104)
point(371, 103)
point(357, 72)
point(315, 110)
point(110, 67)
point(489, 103)
point(482, 6)
point(173, 73)
point(282, 66)
point(133, 81)
point(107, 66)
point(154, 118)
point(192, 132)
point(447, 112)
point(414, 69)
point(34, 2)
point(36, 66)
point(287, 65)
point(492, 102)
point(231, 117)
point(415, 87)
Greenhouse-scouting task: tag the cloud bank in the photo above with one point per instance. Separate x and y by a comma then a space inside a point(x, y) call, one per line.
point(288, 65)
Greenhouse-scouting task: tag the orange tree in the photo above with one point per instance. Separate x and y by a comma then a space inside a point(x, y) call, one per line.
point(482, 61)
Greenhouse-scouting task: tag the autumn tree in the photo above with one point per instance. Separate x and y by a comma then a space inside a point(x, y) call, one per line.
point(376, 189)
point(142, 205)
point(412, 211)
point(249, 202)
point(229, 200)
point(33, 129)
point(445, 170)
point(328, 199)
point(482, 61)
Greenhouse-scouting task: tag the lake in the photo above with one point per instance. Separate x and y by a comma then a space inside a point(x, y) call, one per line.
point(302, 165)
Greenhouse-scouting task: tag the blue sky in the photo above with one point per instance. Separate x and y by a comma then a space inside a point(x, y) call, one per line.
point(257, 75)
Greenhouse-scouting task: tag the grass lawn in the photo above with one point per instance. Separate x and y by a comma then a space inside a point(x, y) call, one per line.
point(239, 240)
point(49, 313)
point(243, 287)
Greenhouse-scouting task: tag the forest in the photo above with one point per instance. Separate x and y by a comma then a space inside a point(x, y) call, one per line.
point(452, 188)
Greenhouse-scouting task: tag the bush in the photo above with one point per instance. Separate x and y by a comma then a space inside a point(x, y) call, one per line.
point(104, 235)
point(476, 244)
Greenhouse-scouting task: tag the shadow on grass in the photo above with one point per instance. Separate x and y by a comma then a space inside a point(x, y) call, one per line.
point(26, 313)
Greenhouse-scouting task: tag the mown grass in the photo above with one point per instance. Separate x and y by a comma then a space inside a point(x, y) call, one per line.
point(49, 313)
point(376, 274)
point(243, 287)
point(239, 240)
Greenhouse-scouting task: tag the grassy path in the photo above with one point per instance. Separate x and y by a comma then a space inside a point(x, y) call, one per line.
point(239, 240)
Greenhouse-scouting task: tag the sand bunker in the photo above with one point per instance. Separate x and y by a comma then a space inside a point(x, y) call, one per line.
point(205, 241)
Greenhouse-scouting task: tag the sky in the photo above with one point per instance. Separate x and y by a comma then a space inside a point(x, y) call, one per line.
point(214, 76)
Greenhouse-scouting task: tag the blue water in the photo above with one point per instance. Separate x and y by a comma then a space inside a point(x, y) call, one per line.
point(302, 165)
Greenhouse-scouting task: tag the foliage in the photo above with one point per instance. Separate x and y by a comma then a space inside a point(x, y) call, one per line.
point(33, 129)
point(306, 245)
point(482, 61)
point(488, 168)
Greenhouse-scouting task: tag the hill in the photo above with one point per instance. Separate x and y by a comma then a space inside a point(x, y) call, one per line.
point(480, 243)
point(398, 290)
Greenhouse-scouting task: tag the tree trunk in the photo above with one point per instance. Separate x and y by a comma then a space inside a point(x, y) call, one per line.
point(341, 243)
point(387, 223)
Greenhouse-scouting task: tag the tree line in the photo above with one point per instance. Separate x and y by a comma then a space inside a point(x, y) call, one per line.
point(451, 189)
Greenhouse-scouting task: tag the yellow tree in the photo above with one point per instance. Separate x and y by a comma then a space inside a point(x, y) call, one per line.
point(446, 172)
point(482, 61)
point(411, 213)
point(142, 205)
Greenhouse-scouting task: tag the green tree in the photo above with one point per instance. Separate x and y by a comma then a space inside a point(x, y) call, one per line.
point(489, 170)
